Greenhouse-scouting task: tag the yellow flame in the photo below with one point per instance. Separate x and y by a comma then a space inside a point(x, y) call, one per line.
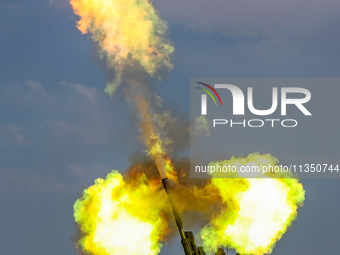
point(257, 212)
point(128, 217)
point(151, 138)
point(169, 169)
point(127, 31)
point(120, 218)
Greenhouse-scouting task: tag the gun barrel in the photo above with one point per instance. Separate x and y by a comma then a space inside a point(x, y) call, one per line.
point(175, 213)
point(187, 237)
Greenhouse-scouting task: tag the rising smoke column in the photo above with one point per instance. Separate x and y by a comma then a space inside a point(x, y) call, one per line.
point(130, 36)
point(113, 216)
point(126, 216)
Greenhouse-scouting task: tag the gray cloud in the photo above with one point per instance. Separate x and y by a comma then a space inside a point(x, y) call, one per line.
point(14, 181)
point(58, 4)
point(34, 85)
point(12, 6)
point(91, 93)
point(63, 135)
point(72, 114)
point(260, 18)
point(11, 136)
point(87, 174)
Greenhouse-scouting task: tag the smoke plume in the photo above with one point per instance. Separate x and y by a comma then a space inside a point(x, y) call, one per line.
point(128, 33)
point(130, 214)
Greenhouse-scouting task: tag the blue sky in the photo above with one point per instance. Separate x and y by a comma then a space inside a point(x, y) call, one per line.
point(59, 130)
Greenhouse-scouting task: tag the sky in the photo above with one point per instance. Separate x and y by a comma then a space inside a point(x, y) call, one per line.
point(59, 130)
